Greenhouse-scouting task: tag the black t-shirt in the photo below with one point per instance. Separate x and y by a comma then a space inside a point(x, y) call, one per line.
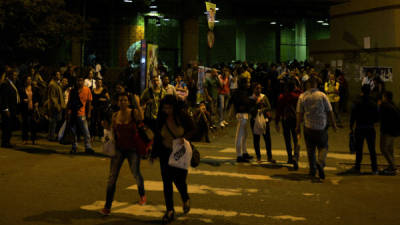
point(390, 119)
point(364, 112)
point(241, 101)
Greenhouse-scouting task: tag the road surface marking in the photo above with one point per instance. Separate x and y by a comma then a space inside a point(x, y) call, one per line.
point(335, 180)
point(288, 217)
point(308, 194)
point(218, 157)
point(201, 219)
point(158, 210)
point(197, 189)
point(227, 174)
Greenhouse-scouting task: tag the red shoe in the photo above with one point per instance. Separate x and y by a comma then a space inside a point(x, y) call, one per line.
point(105, 212)
point(143, 200)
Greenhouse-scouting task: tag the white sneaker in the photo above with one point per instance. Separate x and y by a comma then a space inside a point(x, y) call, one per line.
point(222, 124)
point(225, 123)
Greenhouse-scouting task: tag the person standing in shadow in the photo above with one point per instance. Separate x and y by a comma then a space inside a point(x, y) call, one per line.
point(9, 101)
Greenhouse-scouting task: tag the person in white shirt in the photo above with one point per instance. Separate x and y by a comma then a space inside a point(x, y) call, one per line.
point(169, 88)
point(369, 80)
point(90, 82)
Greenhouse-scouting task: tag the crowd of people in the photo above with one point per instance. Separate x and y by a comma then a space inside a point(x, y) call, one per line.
point(292, 96)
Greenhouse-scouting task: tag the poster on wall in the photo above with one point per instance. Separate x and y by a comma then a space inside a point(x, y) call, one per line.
point(132, 50)
point(201, 77)
point(200, 83)
point(385, 73)
point(211, 11)
point(143, 65)
point(152, 62)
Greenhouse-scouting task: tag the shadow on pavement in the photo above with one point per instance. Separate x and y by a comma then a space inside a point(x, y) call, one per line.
point(271, 166)
point(93, 217)
point(71, 217)
point(44, 151)
point(217, 162)
point(293, 176)
point(349, 174)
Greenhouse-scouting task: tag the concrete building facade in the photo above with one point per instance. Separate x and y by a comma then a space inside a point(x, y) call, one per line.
point(364, 33)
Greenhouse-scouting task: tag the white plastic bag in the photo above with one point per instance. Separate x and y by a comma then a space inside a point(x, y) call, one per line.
point(108, 143)
point(181, 154)
point(61, 131)
point(260, 124)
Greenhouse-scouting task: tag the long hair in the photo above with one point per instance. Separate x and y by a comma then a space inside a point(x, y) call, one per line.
point(177, 111)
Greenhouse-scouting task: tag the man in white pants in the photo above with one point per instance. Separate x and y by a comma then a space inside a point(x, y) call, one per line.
point(242, 104)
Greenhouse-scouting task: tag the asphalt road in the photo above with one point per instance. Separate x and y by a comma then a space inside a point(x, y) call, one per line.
point(44, 184)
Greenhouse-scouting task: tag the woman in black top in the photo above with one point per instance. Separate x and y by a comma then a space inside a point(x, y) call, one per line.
point(100, 103)
point(172, 123)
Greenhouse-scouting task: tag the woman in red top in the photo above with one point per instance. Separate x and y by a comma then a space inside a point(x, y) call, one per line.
point(223, 94)
point(124, 126)
point(286, 112)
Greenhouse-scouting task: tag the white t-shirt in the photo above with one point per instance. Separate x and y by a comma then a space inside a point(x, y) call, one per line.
point(367, 81)
point(233, 82)
point(90, 83)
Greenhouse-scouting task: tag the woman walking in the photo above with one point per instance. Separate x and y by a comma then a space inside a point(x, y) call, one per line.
point(173, 123)
point(124, 126)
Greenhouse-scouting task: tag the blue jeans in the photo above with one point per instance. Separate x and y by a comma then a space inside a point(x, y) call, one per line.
point(316, 139)
point(81, 123)
point(369, 134)
point(115, 167)
point(53, 120)
point(241, 134)
point(172, 175)
point(256, 141)
point(289, 133)
point(222, 100)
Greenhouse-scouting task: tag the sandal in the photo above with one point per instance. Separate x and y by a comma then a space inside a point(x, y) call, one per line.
point(186, 207)
point(168, 217)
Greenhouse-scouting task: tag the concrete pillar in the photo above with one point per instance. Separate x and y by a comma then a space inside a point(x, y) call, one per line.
point(128, 34)
point(278, 44)
point(190, 40)
point(301, 40)
point(76, 52)
point(240, 42)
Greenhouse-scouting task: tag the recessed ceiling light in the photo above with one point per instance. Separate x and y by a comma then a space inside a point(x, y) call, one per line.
point(320, 21)
point(325, 24)
point(273, 23)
